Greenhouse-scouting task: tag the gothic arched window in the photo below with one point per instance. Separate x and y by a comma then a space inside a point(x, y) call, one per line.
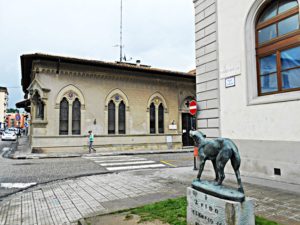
point(76, 117)
point(122, 118)
point(111, 117)
point(161, 118)
point(278, 47)
point(64, 117)
point(152, 119)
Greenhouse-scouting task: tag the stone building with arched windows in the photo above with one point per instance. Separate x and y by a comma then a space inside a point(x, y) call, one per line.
point(248, 81)
point(127, 106)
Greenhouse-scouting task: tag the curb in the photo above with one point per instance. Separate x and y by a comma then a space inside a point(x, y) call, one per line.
point(42, 157)
point(14, 156)
point(146, 153)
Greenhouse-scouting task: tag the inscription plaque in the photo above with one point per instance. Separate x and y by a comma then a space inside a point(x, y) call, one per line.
point(204, 209)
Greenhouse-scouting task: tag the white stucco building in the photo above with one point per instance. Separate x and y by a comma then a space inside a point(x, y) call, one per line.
point(248, 81)
point(3, 105)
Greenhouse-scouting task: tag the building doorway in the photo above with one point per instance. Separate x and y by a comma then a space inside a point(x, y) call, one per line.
point(188, 123)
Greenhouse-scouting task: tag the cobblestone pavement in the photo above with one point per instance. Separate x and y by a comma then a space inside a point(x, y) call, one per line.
point(63, 202)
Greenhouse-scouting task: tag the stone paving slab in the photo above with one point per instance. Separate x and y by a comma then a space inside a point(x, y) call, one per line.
point(275, 204)
point(65, 202)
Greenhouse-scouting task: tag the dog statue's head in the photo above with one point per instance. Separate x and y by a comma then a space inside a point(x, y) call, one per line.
point(197, 136)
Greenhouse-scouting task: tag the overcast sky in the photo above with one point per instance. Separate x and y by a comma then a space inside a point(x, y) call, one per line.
point(158, 32)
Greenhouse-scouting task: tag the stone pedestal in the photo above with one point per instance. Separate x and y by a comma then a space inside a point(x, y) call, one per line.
point(204, 209)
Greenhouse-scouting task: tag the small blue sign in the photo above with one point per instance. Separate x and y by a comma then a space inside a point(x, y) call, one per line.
point(18, 117)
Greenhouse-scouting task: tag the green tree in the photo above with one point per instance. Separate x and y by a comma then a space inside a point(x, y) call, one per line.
point(11, 110)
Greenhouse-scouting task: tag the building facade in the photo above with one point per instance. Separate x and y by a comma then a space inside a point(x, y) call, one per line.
point(128, 106)
point(3, 105)
point(248, 81)
point(15, 120)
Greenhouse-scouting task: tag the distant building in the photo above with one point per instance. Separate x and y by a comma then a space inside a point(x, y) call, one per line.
point(3, 105)
point(15, 120)
point(128, 106)
point(248, 81)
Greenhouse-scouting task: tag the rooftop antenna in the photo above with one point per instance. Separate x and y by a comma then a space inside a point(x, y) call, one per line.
point(122, 57)
point(121, 27)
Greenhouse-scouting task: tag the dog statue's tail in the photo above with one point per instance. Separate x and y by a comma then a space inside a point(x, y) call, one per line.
point(236, 162)
point(235, 158)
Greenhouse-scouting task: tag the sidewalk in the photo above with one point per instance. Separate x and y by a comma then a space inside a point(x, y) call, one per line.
point(23, 151)
point(66, 201)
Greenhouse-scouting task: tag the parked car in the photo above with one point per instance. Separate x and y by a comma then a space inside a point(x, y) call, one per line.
point(8, 136)
point(12, 129)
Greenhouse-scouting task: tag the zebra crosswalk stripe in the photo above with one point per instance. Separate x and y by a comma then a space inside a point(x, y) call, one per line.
point(121, 160)
point(126, 163)
point(117, 163)
point(134, 167)
point(107, 157)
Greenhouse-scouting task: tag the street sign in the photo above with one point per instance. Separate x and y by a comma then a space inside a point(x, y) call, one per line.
point(193, 107)
point(18, 117)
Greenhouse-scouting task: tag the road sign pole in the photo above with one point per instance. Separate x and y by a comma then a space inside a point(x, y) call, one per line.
point(195, 157)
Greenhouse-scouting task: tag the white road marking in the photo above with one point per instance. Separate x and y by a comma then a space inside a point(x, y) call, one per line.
point(126, 163)
point(16, 185)
point(107, 157)
point(134, 167)
point(5, 149)
point(121, 160)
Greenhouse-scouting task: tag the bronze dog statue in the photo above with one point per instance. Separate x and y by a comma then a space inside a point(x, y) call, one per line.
point(219, 151)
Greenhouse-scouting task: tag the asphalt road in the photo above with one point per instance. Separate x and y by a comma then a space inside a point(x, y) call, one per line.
point(45, 170)
point(41, 170)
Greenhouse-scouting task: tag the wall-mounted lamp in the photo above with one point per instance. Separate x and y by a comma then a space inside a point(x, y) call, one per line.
point(95, 122)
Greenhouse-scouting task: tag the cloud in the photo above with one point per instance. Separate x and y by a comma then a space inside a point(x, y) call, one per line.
point(159, 33)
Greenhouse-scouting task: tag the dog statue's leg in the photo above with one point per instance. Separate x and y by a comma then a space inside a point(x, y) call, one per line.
point(238, 177)
point(201, 166)
point(221, 175)
point(215, 169)
point(221, 160)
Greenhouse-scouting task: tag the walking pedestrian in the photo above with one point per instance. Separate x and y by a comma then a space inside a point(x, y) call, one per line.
point(91, 141)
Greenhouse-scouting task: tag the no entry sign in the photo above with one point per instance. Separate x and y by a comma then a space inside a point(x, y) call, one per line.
point(193, 107)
